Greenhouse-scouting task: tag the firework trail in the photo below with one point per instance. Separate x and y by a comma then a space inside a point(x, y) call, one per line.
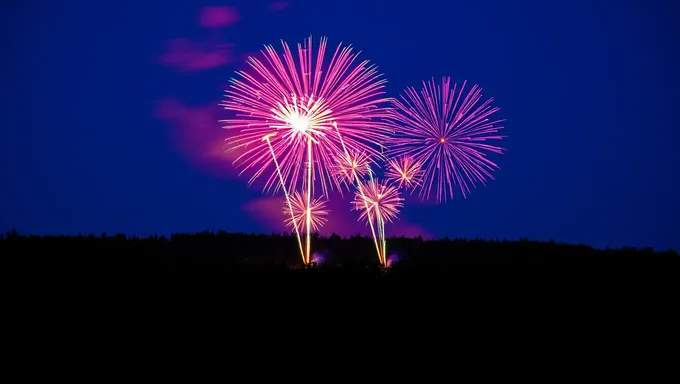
point(404, 171)
point(446, 131)
point(267, 138)
point(303, 101)
point(316, 211)
point(378, 203)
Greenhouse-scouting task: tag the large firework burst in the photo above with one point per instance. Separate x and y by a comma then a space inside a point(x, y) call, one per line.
point(299, 100)
point(446, 131)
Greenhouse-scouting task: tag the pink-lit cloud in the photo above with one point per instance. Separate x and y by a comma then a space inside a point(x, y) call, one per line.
point(188, 55)
point(215, 17)
point(278, 5)
point(243, 58)
point(196, 133)
point(269, 210)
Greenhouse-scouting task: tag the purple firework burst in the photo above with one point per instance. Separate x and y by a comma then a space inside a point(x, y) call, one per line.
point(446, 131)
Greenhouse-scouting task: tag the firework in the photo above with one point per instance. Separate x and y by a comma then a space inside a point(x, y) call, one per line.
point(379, 203)
point(404, 171)
point(446, 131)
point(317, 211)
point(300, 100)
point(297, 106)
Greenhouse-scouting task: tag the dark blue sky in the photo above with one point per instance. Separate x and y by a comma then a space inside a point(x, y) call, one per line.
point(587, 87)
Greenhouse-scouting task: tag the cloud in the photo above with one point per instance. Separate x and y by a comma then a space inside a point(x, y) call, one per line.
point(215, 17)
point(198, 136)
point(188, 56)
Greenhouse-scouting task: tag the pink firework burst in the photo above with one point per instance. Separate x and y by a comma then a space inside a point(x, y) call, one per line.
point(378, 203)
point(317, 211)
point(446, 131)
point(305, 102)
point(404, 171)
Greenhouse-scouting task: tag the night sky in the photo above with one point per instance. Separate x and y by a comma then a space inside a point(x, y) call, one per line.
point(110, 113)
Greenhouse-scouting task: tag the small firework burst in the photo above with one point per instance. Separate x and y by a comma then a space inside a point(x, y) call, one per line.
point(317, 211)
point(351, 167)
point(378, 202)
point(404, 171)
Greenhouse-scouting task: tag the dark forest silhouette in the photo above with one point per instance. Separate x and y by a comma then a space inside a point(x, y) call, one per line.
point(222, 251)
point(233, 274)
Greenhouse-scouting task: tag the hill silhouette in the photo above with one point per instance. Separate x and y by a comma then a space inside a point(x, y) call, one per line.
point(239, 253)
point(226, 276)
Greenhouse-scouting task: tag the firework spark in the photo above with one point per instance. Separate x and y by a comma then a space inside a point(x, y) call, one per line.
point(300, 100)
point(317, 211)
point(404, 171)
point(446, 131)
